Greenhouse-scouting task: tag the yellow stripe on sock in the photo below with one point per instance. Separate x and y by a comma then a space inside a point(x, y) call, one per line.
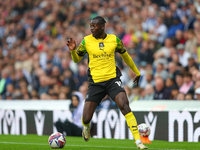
point(132, 124)
point(84, 123)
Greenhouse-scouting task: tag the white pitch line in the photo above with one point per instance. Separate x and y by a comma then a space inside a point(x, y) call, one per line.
point(86, 146)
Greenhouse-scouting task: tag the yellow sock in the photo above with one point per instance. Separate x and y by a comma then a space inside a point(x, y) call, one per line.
point(132, 124)
point(84, 123)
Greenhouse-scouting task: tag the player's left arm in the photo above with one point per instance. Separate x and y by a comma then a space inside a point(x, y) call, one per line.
point(127, 59)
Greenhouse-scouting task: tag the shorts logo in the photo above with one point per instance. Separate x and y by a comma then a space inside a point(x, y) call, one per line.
point(119, 83)
point(87, 96)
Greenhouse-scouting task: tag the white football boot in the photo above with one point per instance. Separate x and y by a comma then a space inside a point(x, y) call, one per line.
point(141, 146)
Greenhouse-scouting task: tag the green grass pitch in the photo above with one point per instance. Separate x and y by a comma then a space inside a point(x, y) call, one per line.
point(34, 142)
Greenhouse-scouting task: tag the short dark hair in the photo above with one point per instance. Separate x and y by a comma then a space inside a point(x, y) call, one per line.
point(180, 74)
point(100, 19)
point(187, 74)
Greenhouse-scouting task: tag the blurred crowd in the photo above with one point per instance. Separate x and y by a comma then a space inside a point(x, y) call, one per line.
point(162, 37)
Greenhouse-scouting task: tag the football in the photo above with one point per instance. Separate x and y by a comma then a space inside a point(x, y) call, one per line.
point(57, 140)
point(144, 130)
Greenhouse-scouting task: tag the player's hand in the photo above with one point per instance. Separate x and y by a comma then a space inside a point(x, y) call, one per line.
point(136, 80)
point(71, 44)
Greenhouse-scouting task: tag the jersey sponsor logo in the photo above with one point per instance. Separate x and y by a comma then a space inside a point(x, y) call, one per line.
point(103, 56)
point(101, 46)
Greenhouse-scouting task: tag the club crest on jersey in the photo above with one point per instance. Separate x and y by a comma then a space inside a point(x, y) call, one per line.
point(101, 46)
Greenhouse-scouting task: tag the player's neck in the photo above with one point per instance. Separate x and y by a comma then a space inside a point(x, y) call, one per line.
point(102, 36)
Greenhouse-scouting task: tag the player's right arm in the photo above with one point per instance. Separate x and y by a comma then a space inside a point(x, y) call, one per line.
point(76, 53)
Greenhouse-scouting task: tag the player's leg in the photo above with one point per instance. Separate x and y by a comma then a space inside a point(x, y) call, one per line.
point(95, 94)
point(88, 112)
point(122, 102)
point(118, 94)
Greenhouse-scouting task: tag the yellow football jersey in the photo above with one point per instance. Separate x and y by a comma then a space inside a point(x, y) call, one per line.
point(101, 53)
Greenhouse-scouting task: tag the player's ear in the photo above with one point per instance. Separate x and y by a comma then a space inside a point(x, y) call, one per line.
point(103, 26)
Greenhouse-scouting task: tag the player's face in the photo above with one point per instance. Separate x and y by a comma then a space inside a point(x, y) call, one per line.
point(96, 28)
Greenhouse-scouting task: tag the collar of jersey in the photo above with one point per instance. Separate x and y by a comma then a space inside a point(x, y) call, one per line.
point(101, 39)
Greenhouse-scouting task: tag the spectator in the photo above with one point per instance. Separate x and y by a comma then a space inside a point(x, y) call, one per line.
point(128, 92)
point(168, 20)
point(66, 90)
point(142, 69)
point(188, 85)
point(160, 71)
point(174, 9)
point(43, 86)
point(174, 92)
point(197, 93)
point(135, 94)
point(19, 77)
point(24, 91)
point(160, 30)
point(128, 36)
point(177, 25)
point(180, 96)
point(184, 10)
point(150, 22)
point(83, 89)
point(192, 63)
point(149, 78)
point(69, 80)
point(197, 27)
point(8, 96)
point(179, 37)
point(153, 44)
point(45, 96)
point(34, 94)
point(173, 70)
point(191, 19)
point(73, 128)
point(10, 90)
point(183, 55)
point(62, 96)
point(189, 96)
point(179, 80)
point(142, 94)
point(191, 42)
point(54, 96)
point(149, 92)
point(169, 84)
point(65, 64)
point(81, 76)
point(4, 81)
point(160, 91)
point(145, 54)
point(133, 54)
point(56, 72)
point(162, 55)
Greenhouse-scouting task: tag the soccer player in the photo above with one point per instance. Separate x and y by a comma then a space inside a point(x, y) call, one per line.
point(104, 75)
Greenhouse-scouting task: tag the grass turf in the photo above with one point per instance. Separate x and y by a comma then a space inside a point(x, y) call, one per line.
point(34, 142)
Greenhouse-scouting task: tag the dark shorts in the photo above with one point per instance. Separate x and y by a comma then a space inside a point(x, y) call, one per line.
point(97, 91)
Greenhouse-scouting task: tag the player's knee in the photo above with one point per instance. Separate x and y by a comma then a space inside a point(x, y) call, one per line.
point(125, 107)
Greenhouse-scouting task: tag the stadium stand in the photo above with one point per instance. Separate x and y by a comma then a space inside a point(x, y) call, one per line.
point(162, 38)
